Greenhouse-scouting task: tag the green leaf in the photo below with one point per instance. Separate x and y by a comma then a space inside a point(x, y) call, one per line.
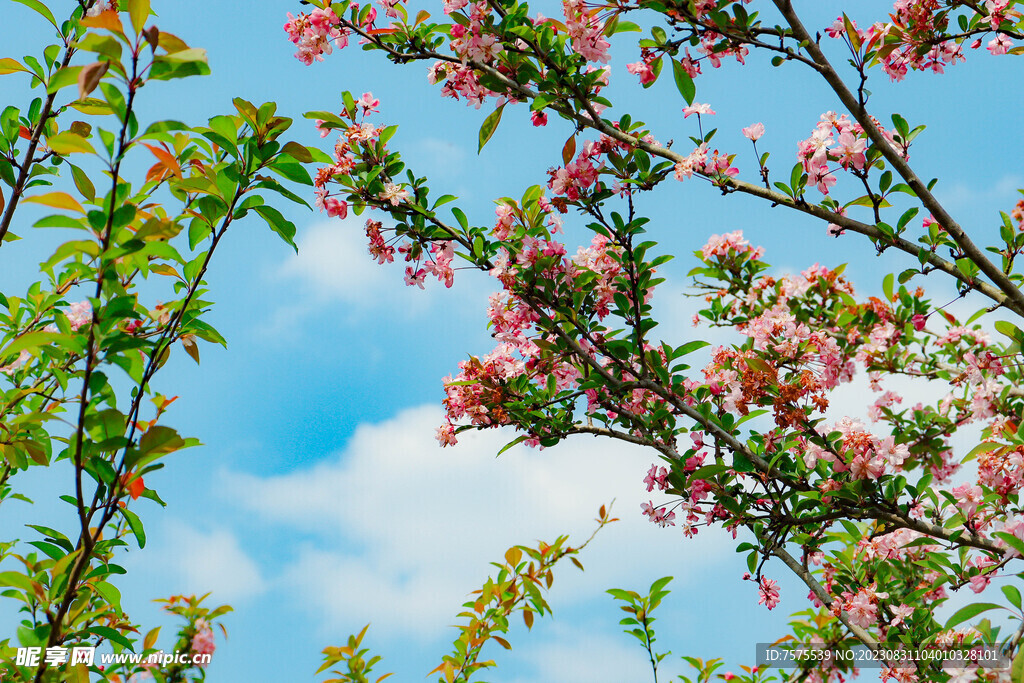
point(683, 82)
point(887, 284)
point(489, 126)
point(291, 170)
point(740, 463)
point(969, 612)
point(278, 223)
point(1009, 329)
point(1013, 595)
point(1017, 669)
point(1011, 541)
point(112, 635)
point(17, 580)
point(135, 524)
point(82, 182)
point(29, 340)
point(63, 78)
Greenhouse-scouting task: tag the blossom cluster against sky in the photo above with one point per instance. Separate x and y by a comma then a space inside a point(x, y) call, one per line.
point(320, 501)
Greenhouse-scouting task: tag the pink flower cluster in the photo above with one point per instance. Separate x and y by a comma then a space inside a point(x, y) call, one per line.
point(768, 593)
point(656, 477)
point(863, 454)
point(202, 641)
point(705, 162)
point(729, 244)
point(838, 139)
point(459, 81)
point(473, 42)
point(912, 40)
point(586, 31)
point(660, 516)
point(344, 160)
point(578, 175)
point(861, 607)
point(315, 34)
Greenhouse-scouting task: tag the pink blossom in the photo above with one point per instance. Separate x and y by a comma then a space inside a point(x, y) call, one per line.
point(656, 478)
point(394, 194)
point(900, 614)
point(368, 103)
point(1000, 45)
point(768, 593)
point(80, 314)
point(445, 435)
point(202, 641)
point(539, 118)
point(697, 108)
point(753, 132)
point(16, 363)
point(336, 207)
point(643, 70)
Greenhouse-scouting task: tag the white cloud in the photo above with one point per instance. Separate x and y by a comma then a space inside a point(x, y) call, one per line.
point(198, 562)
point(333, 264)
point(408, 529)
point(437, 158)
point(959, 195)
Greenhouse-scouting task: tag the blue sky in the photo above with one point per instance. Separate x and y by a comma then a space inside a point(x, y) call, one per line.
point(320, 501)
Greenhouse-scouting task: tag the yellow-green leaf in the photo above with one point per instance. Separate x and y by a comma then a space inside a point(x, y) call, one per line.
point(138, 11)
point(57, 200)
point(69, 143)
point(10, 66)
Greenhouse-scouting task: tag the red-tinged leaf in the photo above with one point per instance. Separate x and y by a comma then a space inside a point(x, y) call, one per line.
point(577, 563)
point(381, 31)
point(851, 33)
point(136, 488)
point(108, 20)
point(948, 316)
point(57, 200)
point(24, 133)
point(152, 36)
point(421, 16)
point(501, 641)
point(569, 150)
point(89, 77)
point(528, 618)
point(188, 342)
point(385, 676)
point(166, 159)
point(158, 172)
point(513, 555)
point(3, 202)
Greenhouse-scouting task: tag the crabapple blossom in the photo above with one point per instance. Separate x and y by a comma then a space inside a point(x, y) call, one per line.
point(754, 132)
point(697, 108)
